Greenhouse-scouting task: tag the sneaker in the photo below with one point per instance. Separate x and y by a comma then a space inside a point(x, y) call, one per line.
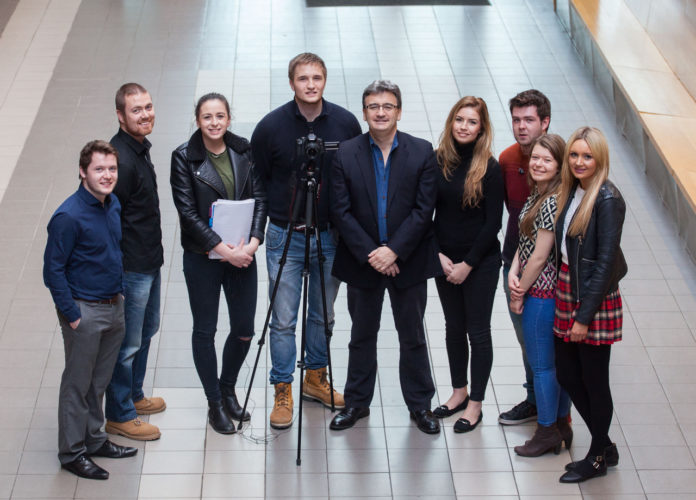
point(316, 387)
point(148, 406)
point(134, 429)
point(281, 416)
point(523, 412)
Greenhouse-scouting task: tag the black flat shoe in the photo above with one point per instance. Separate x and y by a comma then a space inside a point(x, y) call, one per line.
point(348, 417)
point(463, 424)
point(586, 469)
point(113, 450)
point(219, 419)
point(84, 467)
point(611, 457)
point(234, 409)
point(426, 421)
point(443, 411)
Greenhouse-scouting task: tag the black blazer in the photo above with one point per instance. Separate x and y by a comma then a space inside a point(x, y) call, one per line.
point(196, 185)
point(410, 206)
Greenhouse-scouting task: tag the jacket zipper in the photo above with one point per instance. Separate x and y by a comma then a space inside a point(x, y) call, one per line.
point(577, 267)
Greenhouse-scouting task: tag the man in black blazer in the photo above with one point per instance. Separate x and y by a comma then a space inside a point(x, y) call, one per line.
point(383, 196)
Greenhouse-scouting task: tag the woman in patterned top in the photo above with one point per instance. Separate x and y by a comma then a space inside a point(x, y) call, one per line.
point(589, 314)
point(532, 281)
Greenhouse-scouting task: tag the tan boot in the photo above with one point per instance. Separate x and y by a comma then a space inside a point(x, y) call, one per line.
point(281, 416)
point(134, 429)
point(148, 406)
point(317, 388)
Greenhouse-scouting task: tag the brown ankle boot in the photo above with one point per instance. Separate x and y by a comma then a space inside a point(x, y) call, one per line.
point(281, 415)
point(566, 430)
point(544, 439)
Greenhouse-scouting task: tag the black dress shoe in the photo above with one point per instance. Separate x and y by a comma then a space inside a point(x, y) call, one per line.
point(586, 469)
point(347, 418)
point(443, 411)
point(426, 421)
point(234, 409)
point(611, 457)
point(463, 424)
point(113, 450)
point(84, 467)
point(219, 419)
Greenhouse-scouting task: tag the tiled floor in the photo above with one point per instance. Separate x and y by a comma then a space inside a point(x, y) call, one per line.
point(180, 49)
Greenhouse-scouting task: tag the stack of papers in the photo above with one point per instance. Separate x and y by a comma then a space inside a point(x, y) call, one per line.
point(231, 220)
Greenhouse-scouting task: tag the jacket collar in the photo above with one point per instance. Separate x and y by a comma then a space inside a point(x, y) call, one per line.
point(196, 149)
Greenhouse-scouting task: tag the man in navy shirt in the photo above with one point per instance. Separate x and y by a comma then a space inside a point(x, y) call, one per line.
point(83, 271)
point(274, 147)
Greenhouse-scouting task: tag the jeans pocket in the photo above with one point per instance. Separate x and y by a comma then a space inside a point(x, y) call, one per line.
point(275, 237)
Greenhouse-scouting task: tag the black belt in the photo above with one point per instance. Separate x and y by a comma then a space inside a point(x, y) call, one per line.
point(297, 227)
point(113, 300)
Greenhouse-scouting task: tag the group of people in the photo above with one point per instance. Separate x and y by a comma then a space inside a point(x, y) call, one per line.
point(391, 213)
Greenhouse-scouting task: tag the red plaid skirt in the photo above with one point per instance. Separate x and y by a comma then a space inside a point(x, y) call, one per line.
point(605, 327)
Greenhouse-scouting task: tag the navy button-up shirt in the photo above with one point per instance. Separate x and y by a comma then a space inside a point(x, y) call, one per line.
point(382, 178)
point(83, 253)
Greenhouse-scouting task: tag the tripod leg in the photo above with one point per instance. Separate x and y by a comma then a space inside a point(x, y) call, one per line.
point(303, 343)
point(325, 311)
point(262, 340)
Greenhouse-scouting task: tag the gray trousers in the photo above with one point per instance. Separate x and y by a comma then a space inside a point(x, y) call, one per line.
point(90, 355)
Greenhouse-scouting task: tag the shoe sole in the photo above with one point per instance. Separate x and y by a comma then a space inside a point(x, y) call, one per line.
point(280, 426)
point(308, 397)
point(147, 437)
point(150, 412)
point(504, 421)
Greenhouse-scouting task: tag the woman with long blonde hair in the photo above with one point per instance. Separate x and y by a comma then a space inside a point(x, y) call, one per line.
point(468, 216)
point(589, 315)
point(532, 281)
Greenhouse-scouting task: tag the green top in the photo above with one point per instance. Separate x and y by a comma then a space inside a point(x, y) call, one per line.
point(223, 166)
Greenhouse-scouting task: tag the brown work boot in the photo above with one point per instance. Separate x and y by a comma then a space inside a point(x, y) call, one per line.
point(148, 406)
point(133, 429)
point(281, 416)
point(317, 388)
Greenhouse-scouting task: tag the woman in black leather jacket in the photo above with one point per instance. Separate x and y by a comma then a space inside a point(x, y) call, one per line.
point(589, 313)
point(216, 164)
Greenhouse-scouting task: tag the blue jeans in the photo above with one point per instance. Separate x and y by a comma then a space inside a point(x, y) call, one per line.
point(537, 320)
point(287, 301)
point(142, 313)
point(204, 279)
point(519, 332)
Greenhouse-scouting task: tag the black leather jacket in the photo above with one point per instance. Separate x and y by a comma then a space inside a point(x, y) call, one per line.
point(196, 185)
point(595, 260)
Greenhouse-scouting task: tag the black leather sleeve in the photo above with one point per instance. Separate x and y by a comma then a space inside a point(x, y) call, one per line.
point(193, 224)
point(610, 213)
point(258, 192)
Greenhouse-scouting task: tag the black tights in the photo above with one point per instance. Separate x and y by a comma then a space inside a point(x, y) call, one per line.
point(583, 371)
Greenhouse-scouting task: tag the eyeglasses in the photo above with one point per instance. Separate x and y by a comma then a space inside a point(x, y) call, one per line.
point(386, 107)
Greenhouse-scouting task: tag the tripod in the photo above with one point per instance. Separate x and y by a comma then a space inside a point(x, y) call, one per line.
point(307, 192)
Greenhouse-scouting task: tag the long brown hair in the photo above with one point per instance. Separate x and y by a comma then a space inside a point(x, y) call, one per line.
point(600, 152)
point(555, 145)
point(449, 159)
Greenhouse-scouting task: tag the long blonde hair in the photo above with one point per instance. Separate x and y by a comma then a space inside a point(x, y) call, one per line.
point(600, 152)
point(555, 145)
point(449, 159)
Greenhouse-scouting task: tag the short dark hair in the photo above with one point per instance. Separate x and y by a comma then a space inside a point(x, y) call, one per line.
point(212, 96)
point(532, 97)
point(379, 86)
point(125, 90)
point(305, 58)
point(96, 146)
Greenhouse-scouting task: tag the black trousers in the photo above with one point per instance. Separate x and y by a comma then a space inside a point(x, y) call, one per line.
point(468, 308)
point(408, 307)
point(583, 371)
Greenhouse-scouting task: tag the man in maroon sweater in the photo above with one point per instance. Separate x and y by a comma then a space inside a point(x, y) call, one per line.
point(531, 114)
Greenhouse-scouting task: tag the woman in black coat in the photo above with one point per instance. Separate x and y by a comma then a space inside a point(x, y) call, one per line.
point(589, 315)
point(216, 164)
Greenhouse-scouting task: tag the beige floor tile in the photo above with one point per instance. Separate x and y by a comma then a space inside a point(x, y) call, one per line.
point(653, 435)
point(543, 483)
point(233, 486)
point(118, 486)
point(479, 460)
point(61, 485)
point(615, 482)
point(242, 461)
point(484, 483)
point(173, 462)
point(178, 439)
point(377, 484)
point(170, 485)
point(668, 481)
point(662, 457)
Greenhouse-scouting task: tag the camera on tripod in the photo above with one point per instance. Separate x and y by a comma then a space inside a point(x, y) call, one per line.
point(312, 147)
